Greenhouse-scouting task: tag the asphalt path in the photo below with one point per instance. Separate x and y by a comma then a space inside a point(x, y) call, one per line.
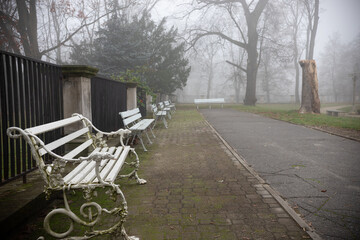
point(316, 172)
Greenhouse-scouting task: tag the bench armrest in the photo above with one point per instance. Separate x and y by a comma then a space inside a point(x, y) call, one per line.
point(120, 132)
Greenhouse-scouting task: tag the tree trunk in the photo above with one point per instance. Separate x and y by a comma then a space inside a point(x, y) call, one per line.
point(296, 56)
point(237, 85)
point(314, 30)
point(297, 82)
point(210, 78)
point(27, 27)
point(252, 19)
point(252, 65)
point(310, 102)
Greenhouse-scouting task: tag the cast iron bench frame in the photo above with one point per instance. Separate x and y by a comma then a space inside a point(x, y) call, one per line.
point(97, 170)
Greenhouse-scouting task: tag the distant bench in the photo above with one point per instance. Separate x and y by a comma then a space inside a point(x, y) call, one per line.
point(133, 121)
point(209, 101)
point(335, 113)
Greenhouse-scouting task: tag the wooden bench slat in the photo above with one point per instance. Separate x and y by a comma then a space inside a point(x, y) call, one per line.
point(142, 125)
point(85, 171)
point(131, 119)
point(77, 169)
point(116, 169)
point(53, 145)
point(92, 174)
point(53, 125)
point(129, 113)
point(79, 149)
point(110, 165)
point(161, 113)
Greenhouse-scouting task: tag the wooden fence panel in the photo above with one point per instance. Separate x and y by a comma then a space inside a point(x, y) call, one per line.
point(108, 98)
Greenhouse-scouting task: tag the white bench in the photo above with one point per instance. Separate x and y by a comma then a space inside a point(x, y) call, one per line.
point(132, 121)
point(100, 168)
point(170, 105)
point(166, 109)
point(159, 115)
point(209, 101)
point(335, 113)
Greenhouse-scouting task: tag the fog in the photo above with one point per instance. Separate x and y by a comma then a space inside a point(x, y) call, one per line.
point(250, 58)
point(337, 19)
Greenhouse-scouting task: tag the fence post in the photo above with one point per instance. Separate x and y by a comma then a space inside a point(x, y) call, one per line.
point(77, 91)
point(131, 96)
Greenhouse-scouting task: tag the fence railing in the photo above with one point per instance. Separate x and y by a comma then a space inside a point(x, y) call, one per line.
point(30, 95)
point(108, 98)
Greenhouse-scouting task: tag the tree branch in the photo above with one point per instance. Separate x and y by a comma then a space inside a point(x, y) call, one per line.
point(219, 34)
point(237, 66)
point(237, 25)
point(81, 27)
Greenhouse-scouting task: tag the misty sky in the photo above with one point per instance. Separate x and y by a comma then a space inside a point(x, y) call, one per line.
point(341, 16)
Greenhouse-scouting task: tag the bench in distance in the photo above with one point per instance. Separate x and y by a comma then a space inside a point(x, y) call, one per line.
point(132, 121)
point(209, 101)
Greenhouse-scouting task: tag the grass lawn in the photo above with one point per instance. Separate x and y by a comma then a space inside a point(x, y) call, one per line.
point(289, 113)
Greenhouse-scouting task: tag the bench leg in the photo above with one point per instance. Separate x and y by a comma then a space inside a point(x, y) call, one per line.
point(168, 114)
point(147, 135)
point(87, 210)
point(134, 174)
point(152, 132)
point(165, 123)
point(142, 142)
point(156, 118)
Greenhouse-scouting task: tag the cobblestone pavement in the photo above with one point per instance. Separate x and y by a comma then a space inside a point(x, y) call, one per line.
point(197, 190)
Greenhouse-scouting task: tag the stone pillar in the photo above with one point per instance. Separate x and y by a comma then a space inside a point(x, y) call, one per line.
point(131, 96)
point(148, 104)
point(77, 91)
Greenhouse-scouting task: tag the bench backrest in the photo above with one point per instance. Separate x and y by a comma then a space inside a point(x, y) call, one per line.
point(209, 100)
point(35, 137)
point(130, 116)
point(154, 108)
point(161, 105)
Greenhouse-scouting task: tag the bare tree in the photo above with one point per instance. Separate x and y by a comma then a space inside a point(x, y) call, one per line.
point(310, 102)
point(312, 13)
point(248, 39)
point(207, 53)
point(21, 28)
point(294, 17)
point(237, 77)
point(331, 57)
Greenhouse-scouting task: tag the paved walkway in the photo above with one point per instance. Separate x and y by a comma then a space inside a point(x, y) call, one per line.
point(316, 172)
point(197, 189)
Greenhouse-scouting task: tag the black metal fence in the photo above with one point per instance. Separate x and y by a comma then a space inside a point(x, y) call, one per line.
point(108, 98)
point(30, 95)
